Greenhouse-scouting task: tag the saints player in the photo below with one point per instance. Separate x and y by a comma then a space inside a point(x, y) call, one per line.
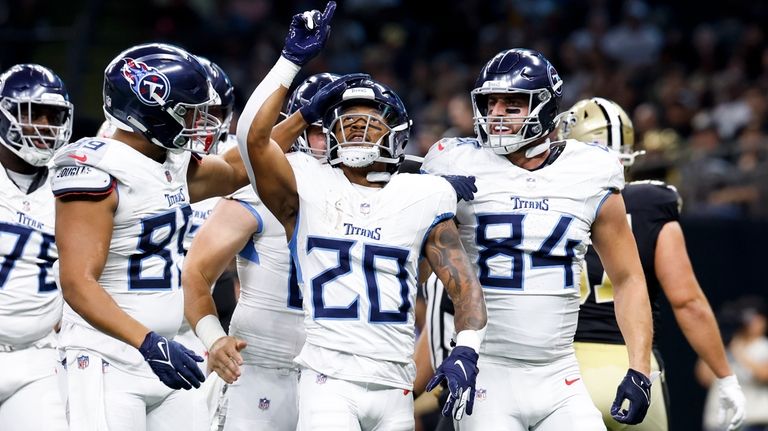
point(653, 212)
point(358, 231)
point(122, 210)
point(35, 120)
point(539, 204)
point(268, 320)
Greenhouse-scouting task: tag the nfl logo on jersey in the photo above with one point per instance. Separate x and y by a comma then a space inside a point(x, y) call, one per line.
point(321, 378)
point(365, 208)
point(481, 394)
point(263, 403)
point(82, 362)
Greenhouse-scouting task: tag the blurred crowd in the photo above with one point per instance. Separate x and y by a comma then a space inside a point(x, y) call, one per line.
point(694, 79)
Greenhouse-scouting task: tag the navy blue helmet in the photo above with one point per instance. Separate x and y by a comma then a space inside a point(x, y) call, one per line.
point(517, 71)
point(35, 112)
point(390, 148)
point(226, 92)
point(164, 93)
point(300, 98)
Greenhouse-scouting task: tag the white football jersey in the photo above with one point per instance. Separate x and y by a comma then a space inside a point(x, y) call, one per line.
point(30, 302)
point(269, 313)
point(143, 268)
point(202, 209)
point(358, 250)
point(527, 232)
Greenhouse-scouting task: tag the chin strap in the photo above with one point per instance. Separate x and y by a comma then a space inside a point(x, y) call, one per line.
point(537, 149)
point(378, 177)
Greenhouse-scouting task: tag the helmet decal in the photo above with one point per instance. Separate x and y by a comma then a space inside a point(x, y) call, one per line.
point(149, 84)
point(554, 80)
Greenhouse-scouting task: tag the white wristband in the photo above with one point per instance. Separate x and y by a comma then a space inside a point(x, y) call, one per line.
point(285, 70)
point(471, 338)
point(208, 330)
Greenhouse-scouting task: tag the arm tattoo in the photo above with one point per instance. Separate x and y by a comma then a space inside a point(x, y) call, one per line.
point(450, 263)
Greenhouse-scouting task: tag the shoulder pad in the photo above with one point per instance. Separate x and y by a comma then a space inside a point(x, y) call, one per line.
point(669, 189)
point(446, 144)
point(81, 180)
point(86, 151)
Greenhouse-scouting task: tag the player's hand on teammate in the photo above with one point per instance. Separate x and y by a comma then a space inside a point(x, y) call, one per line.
point(731, 400)
point(636, 388)
point(327, 96)
point(224, 358)
point(307, 34)
point(459, 370)
point(174, 364)
point(465, 186)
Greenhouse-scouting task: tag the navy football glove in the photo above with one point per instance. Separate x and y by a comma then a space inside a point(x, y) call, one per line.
point(464, 186)
point(637, 389)
point(459, 370)
point(327, 96)
point(174, 364)
point(307, 34)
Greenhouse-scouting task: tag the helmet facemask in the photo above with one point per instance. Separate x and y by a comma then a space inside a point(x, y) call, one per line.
point(350, 143)
point(530, 125)
point(202, 129)
point(25, 136)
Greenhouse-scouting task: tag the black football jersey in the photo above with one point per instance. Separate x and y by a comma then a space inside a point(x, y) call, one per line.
point(650, 205)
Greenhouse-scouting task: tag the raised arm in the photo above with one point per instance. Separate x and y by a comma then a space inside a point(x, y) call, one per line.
point(450, 263)
point(267, 167)
point(695, 317)
point(216, 175)
point(613, 241)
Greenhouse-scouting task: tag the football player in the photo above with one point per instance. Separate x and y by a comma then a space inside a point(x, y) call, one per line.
point(357, 232)
point(268, 321)
point(201, 210)
point(122, 209)
point(653, 211)
point(35, 120)
point(538, 206)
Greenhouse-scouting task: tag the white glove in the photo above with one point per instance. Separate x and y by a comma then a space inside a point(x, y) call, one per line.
point(731, 398)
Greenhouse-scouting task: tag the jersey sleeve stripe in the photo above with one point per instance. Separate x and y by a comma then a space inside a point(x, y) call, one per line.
point(438, 219)
point(86, 192)
point(602, 201)
point(255, 213)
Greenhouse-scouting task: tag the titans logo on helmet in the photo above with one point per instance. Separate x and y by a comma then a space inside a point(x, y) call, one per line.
point(148, 83)
point(554, 78)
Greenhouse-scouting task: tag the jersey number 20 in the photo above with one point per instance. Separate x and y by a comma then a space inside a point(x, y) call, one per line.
point(370, 253)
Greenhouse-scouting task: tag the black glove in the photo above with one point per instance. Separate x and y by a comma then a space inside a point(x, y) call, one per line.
point(327, 96)
point(464, 186)
point(459, 370)
point(307, 34)
point(637, 389)
point(174, 364)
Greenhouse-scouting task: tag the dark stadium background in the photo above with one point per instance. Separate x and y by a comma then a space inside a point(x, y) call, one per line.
point(698, 94)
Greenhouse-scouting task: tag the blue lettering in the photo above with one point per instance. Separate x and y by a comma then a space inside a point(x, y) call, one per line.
point(29, 221)
point(538, 204)
point(176, 197)
point(351, 229)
